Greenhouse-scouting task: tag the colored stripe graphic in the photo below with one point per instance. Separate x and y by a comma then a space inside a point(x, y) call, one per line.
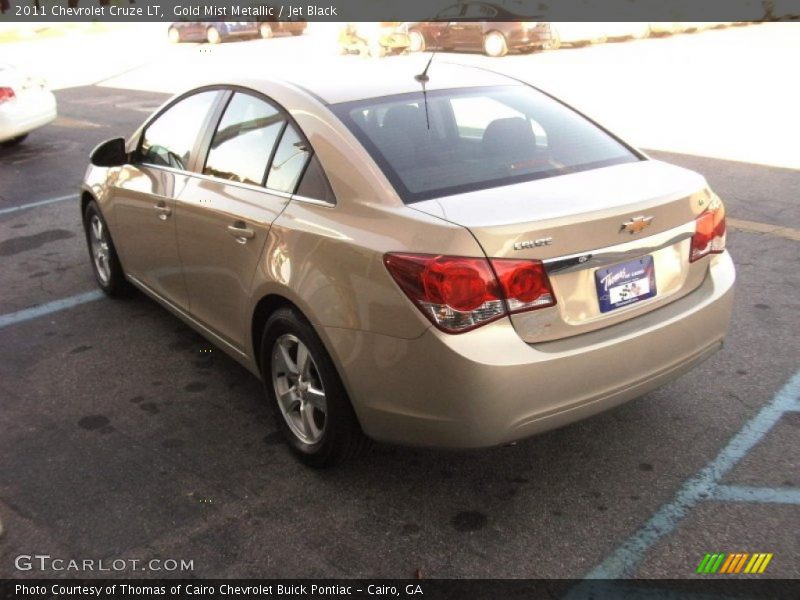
point(701, 567)
point(718, 562)
point(723, 563)
point(740, 564)
point(767, 558)
point(753, 562)
point(727, 563)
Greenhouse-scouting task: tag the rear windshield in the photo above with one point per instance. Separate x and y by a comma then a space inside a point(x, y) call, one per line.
point(476, 138)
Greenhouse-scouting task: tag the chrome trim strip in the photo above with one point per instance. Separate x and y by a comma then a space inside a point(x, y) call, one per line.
point(313, 201)
point(612, 254)
point(185, 316)
point(164, 168)
point(247, 186)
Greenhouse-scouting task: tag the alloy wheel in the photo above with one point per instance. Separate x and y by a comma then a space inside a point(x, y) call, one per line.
point(100, 249)
point(299, 389)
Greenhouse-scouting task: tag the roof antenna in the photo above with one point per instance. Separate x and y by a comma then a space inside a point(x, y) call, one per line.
point(423, 79)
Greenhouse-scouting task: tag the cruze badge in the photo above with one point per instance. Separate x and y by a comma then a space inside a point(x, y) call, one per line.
point(636, 224)
point(533, 243)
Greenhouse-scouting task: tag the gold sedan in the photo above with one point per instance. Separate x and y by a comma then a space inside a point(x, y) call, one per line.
point(454, 260)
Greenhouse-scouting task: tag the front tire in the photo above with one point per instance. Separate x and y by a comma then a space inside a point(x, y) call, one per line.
point(265, 30)
point(495, 44)
point(14, 141)
point(311, 406)
point(213, 35)
point(105, 262)
point(417, 41)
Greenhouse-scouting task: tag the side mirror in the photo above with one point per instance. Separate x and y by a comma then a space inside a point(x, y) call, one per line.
point(110, 153)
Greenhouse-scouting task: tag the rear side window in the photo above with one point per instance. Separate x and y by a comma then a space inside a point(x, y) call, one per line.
point(476, 138)
point(168, 141)
point(289, 161)
point(244, 140)
point(315, 184)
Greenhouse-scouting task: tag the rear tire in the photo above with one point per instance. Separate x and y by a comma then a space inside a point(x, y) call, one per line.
point(297, 32)
point(494, 44)
point(311, 406)
point(105, 262)
point(554, 43)
point(213, 35)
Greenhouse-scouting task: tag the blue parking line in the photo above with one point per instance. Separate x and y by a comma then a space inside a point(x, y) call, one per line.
point(759, 495)
point(12, 209)
point(624, 561)
point(49, 308)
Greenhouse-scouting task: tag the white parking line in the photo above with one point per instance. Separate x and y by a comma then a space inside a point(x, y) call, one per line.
point(704, 486)
point(12, 209)
point(756, 227)
point(27, 314)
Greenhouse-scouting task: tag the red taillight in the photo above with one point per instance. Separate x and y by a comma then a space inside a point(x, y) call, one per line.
point(525, 284)
point(6, 94)
point(458, 294)
point(709, 237)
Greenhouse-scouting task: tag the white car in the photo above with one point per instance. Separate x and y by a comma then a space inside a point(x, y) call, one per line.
point(25, 104)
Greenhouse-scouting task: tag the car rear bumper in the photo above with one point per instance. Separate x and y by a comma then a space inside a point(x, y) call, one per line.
point(29, 112)
point(487, 387)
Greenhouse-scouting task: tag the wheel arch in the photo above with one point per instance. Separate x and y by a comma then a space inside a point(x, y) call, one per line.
point(261, 313)
point(86, 197)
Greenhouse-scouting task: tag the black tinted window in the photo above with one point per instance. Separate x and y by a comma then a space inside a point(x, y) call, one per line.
point(314, 183)
point(469, 139)
point(289, 161)
point(168, 141)
point(243, 141)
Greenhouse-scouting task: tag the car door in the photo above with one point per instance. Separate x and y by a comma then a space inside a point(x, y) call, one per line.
point(144, 195)
point(448, 28)
point(253, 161)
point(474, 25)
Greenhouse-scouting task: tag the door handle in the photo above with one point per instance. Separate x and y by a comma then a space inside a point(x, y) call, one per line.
point(241, 232)
point(163, 210)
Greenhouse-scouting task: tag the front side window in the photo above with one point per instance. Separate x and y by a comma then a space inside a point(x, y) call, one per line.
point(168, 141)
point(476, 138)
point(243, 142)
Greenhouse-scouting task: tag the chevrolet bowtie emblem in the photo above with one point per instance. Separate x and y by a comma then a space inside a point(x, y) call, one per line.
point(636, 224)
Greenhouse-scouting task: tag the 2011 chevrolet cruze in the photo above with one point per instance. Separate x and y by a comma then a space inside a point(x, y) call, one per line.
point(457, 260)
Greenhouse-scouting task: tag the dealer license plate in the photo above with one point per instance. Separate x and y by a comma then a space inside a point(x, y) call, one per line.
point(625, 283)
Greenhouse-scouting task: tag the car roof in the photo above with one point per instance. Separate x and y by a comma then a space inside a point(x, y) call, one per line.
point(373, 78)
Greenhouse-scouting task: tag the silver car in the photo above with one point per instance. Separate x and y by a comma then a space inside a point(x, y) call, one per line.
point(459, 262)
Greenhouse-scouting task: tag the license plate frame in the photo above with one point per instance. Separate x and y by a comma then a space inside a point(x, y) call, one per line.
point(626, 283)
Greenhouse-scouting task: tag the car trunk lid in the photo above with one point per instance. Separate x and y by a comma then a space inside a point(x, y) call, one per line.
point(615, 241)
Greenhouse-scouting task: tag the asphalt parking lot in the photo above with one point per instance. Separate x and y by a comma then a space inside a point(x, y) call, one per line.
point(126, 435)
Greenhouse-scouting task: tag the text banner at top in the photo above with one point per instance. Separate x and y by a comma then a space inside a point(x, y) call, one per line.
point(386, 10)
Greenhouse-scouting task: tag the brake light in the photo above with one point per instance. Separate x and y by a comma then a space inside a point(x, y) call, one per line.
point(709, 237)
point(6, 94)
point(458, 294)
point(525, 284)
